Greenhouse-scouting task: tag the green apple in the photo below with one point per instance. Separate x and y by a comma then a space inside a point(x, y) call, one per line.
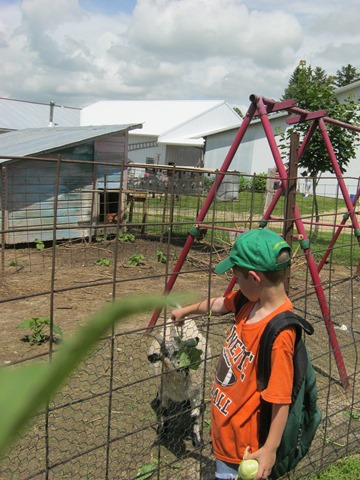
point(248, 469)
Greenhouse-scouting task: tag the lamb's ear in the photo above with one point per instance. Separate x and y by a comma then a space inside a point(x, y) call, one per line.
point(154, 357)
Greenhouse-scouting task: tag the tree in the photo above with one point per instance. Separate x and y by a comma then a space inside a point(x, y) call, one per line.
point(314, 90)
point(348, 74)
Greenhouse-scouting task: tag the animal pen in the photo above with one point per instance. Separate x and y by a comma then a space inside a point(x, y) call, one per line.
point(168, 227)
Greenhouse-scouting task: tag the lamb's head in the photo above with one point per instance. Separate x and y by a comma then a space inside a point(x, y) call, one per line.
point(176, 353)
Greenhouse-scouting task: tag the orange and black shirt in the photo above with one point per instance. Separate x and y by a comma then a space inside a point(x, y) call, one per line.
point(235, 399)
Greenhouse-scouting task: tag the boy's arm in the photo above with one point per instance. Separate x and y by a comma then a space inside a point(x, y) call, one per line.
point(215, 305)
point(266, 455)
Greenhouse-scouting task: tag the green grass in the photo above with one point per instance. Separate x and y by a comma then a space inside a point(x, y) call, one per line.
point(346, 468)
point(251, 205)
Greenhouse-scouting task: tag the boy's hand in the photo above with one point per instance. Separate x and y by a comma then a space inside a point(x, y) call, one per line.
point(178, 316)
point(266, 459)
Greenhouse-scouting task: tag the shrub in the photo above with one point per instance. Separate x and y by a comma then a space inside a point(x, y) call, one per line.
point(259, 182)
point(244, 183)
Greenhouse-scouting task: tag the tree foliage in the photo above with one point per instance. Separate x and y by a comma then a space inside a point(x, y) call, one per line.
point(346, 75)
point(314, 90)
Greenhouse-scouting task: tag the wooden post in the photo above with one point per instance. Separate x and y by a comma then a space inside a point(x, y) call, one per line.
point(4, 220)
point(269, 187)
point(290, 195)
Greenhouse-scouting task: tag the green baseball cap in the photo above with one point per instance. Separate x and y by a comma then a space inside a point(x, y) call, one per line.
point(256, 250)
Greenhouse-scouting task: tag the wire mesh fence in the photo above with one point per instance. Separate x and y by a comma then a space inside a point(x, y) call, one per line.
point(63, 258)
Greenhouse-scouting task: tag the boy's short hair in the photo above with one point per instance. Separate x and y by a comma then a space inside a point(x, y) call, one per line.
point(258, 250)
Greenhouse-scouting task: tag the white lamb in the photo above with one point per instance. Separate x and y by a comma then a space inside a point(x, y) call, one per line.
point(179, 366)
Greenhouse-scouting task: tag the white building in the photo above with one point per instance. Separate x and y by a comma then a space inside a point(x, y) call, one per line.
point(173, 131)
point(254, 154)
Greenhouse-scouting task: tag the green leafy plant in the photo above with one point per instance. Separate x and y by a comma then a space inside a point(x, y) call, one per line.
point(259, 182)
point(40, 330)
point(188, 355)
point(13, 263)
point(39, 244)
point(126, 237)
point(99, 239)
point(244, 183)
point(147, 470)
point(161, 257)
point(102, 262)
point(136, 259)
point(25, 390)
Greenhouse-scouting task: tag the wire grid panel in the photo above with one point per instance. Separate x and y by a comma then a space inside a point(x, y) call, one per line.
point(103, 423)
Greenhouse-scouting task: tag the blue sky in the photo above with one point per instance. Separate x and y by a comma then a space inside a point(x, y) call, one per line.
point(109, 6)
point(77, 52)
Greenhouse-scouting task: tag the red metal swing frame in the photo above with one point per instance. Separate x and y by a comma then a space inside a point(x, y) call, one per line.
point(262, 107)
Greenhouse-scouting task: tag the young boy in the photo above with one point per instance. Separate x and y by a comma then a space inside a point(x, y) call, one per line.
point(258, 259)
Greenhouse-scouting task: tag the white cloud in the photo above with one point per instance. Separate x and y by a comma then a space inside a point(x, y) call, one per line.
point(185, 49)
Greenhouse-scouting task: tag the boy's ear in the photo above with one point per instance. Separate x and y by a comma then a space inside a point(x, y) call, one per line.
point(256, 276)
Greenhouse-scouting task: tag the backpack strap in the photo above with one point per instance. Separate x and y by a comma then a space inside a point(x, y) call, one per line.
point(240, 301)
point(276, 325)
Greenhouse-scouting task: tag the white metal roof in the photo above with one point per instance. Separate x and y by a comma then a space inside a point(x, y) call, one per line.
point(20, 114)
point(173, 122)
point(157, 116)
point(33, 141)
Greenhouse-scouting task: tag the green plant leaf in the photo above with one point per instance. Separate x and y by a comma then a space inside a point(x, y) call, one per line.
point(57, 330)
point(42, 320)
point(103, 262)
point(24, 390)
point(145, 471)
point(25, 324)
point(189, 356)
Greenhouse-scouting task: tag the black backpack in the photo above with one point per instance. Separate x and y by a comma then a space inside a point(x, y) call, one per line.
point(304, 414)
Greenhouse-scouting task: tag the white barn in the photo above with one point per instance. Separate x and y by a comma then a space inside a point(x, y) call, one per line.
point(173, 131)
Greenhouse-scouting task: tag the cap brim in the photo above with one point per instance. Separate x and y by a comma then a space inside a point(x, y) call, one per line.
point(224, 266)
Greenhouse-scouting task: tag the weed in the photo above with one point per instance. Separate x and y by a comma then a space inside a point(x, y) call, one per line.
point(136, 259)
point(126, 237)
point(39, 244)
point(103, 262)
point(147, 470)
point(40, 330)
point(161, 257)
point(13, 263)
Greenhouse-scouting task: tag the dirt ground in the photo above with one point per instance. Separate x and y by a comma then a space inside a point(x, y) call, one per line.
point(81, 287)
